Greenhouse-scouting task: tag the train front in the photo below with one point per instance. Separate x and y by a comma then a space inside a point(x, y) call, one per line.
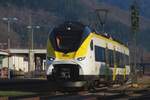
point(67, 49)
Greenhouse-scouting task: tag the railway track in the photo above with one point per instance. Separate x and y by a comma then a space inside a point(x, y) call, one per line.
point(98, 95)
point(47, 91)
point(33, 85)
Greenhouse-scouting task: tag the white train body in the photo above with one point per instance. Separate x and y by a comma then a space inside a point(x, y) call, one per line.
point(93, 57)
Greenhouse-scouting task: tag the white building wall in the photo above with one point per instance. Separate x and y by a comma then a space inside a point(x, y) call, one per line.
point(11, 63)
point(17, 59)
point(25, 66)
point(5, 62)
point(17, 62)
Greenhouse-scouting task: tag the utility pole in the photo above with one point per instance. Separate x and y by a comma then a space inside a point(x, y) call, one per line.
point(31, 55)
point(9, 20)
point(135, 29)
point(31, 46)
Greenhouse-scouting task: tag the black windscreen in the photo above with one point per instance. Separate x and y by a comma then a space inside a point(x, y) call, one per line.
point(68, 37)
point(68, 40)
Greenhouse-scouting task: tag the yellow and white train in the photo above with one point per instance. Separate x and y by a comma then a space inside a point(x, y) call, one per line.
point(76, 55)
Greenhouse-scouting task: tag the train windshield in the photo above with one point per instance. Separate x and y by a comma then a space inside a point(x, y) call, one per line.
point(68, 38)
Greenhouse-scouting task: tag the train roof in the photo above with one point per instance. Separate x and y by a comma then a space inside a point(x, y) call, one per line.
point(76, 26)
point(109, 37)
point(70, 25)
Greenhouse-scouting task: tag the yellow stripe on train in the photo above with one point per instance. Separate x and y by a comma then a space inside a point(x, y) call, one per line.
point(82, 51)
point(66, 56)
point(50, 49)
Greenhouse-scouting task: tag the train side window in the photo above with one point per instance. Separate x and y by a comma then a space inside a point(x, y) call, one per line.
point(126, 59)
point(117, 59)
point(121, 60)
point(111, 58)
point(91, 45)
point(99, 54)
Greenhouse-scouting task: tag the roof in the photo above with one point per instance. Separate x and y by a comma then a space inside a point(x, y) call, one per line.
point(3, 52)
point(26, 51)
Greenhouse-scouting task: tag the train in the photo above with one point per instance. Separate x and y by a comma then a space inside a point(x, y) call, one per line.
point(78, 56)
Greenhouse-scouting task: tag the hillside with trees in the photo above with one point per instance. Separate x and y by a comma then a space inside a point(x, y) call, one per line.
point(49, 13)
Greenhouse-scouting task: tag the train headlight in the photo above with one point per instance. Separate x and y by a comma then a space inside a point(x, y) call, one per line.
point(49, 70)
point(80, 58)
point(51, 58)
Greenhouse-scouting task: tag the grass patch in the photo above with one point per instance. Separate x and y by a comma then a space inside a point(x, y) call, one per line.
point(15, 93)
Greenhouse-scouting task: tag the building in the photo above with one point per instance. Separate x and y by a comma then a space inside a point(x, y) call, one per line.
point(19, 60)
point(3, 58)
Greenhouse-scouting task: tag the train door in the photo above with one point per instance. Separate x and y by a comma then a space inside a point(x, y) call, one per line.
point(106, 71)
point(92, 57)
